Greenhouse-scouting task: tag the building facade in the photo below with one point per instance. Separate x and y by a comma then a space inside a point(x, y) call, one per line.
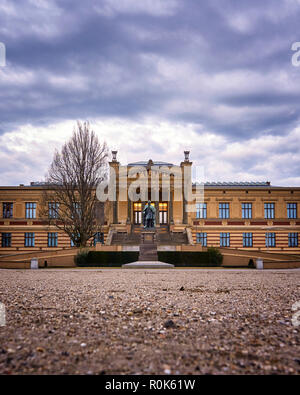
point(251, 216)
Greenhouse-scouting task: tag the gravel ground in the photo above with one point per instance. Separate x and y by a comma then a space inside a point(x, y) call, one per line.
point(114, 321)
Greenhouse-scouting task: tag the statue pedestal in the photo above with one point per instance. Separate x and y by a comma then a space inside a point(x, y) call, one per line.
point(148, 246)
point(148, 258)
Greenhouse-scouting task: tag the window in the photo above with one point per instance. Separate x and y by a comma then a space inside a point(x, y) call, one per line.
point(247, 239)
point(201, 210)
point(163, 213)
point(29, 239)
point(269, 210)
point(202, 239)
point(293, 239)
point(53, 209)
point(6, 240)
point(246, 210)
point(137, 211)
point(30, 210)
point(52, 239)
point(99, 238)
point(223, 210)
point(270, 240)
point(292, 210)
point(224, 239)
point(7, 210)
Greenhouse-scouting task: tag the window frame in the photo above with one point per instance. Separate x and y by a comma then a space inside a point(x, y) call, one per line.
point(201, 238)
point(5, 211)
point(53, 206)
point(225, 239)
point(224, 210)
point(201, 210)
point(247, 239)
point(269, 210)
point(30, 210)
point(7, 238)
point(293, 239)
point(270, 236)
point(52, 241)
point(247, 210)
point(292, 212)
point(29, 239)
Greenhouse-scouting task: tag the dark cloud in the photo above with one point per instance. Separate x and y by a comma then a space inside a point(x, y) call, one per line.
point(223, 66)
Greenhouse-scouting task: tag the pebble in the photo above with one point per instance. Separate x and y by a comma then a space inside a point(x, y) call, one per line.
point(247, 330)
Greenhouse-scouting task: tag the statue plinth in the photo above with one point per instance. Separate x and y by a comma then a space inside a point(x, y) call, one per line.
point(148, 246)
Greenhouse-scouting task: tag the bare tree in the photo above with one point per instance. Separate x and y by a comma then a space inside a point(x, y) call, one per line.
point(69, 200)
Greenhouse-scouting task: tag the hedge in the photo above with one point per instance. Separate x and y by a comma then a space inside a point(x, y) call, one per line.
point(209, 258)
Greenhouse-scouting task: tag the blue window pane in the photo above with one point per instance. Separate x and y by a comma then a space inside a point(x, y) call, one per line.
point(292, 210)
point(202, 239)
point(29, 239)
point(223, 210)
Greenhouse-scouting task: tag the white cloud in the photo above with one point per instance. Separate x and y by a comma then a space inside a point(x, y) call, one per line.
point(110, 8)
point(27, 152)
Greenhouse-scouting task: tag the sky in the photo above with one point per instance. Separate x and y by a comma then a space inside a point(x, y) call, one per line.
point(153, 78)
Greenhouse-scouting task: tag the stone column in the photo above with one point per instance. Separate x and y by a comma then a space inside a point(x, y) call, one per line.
point(171, 219)
point(128, 210)
point(115, 212)
point(184, 213)
point(157, 213)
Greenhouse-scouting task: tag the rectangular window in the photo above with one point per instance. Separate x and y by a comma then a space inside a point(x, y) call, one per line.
point(137, 210)
point(270, 240)
point(7, 210)
point(246, 210)
point(30, 210)
point(223, 210)
point(201, 210)
point(53, 209)
point(293, 239)
point(202, 238)
point(52, 239)
point(269, 210)
point(292, 210)
point(99, 238)
point(6, 240)
point(224, 239)
point(247, 240)
point(29, 239)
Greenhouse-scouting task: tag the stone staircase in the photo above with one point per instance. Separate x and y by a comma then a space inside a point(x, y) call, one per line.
point(163, 235)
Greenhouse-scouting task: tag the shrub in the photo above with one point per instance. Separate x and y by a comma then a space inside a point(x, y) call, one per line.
point(215, 257)
point(108, 258)
point(81, 259)
point(212, 257)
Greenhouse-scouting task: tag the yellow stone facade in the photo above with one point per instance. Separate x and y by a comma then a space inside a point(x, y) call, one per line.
point(123, 216)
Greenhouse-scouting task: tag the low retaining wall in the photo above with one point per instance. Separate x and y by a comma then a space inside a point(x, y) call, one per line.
point(282, 265)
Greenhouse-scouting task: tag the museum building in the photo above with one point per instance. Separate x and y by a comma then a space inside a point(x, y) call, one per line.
point(238, 215)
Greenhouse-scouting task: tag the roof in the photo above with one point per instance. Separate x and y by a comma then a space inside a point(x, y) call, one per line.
point(145, 163)
point(236, 184)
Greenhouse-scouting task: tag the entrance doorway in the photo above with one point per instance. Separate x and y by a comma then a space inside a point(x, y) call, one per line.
point(163, 213)
point(137, 213)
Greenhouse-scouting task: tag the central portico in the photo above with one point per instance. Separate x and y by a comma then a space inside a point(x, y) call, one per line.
point(127, 214)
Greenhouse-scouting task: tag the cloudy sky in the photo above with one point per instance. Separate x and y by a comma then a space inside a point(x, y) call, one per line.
point(153, 77)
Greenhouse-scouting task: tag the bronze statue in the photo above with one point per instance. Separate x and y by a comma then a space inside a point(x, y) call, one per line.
point(149, 216)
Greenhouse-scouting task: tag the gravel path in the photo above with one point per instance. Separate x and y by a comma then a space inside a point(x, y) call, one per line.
point(114, 321)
